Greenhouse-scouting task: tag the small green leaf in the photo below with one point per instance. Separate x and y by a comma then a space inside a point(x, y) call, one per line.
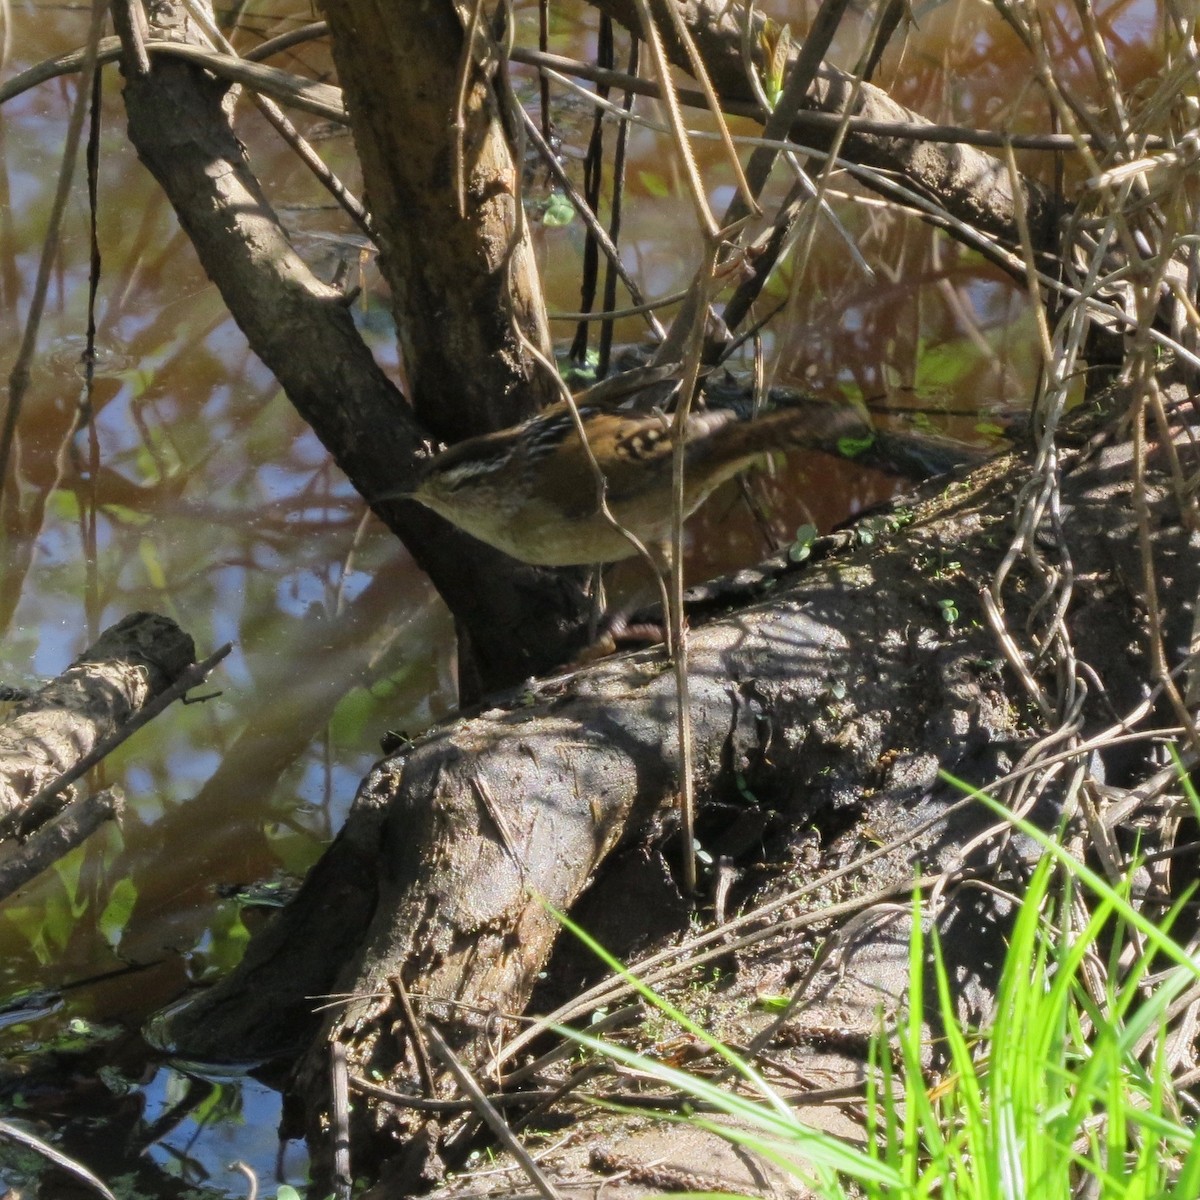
point(576, 375)
point(852, 447)
point(945, 365)
point(140, 381)
point(122, 514)
point(775, 44)
point(801, 546)
point(226, 941)
point(353, 717)
point(773, 1003)
point(69, 870)
point(743, 788)
point(949, 611)
point(559, 211)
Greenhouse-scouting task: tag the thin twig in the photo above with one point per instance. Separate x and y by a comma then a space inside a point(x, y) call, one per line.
point(18, 380)
point(715, 943)
point(616, 314)
point(290, 134)
point(916, 131)
point(589, 219)
point(496, 814)
point(247, 1171)
point(617, 1018)
point(285, 41)
point(679, 136)
point(425, 1104)
point(459, 124)
point(704, 287)
point(129, 20)
point(325, 100)
point(799, 80)
point(491, 1115)
point(409, 1016)
point(343, 1177)
point(712, 103)
point(593, 176)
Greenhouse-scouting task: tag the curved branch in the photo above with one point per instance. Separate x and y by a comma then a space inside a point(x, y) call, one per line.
point(975, 187)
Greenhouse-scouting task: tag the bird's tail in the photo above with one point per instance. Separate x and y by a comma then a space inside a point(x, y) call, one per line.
point(812, 424)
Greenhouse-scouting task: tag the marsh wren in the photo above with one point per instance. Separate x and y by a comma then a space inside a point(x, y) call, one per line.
point(530, 490)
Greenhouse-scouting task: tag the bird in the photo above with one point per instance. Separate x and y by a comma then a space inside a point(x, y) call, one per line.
point(530, 490)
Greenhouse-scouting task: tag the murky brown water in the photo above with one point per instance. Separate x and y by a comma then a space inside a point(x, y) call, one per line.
point(196, 491)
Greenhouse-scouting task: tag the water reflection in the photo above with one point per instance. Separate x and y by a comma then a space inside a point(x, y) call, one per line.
point(197, 1126)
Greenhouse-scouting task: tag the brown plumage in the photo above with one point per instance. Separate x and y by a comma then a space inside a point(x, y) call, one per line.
point(530, 490)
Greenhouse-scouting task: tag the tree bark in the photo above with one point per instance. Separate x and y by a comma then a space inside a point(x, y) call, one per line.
point(463, 284)
point(58, 836)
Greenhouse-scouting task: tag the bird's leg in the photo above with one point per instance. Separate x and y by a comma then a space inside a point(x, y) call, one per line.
point(596, 611)
point(617, 624)
point(611, 629)
point(618, 628)
point(666, 556)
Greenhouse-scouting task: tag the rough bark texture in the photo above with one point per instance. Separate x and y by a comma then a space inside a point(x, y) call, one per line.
point(832, 705)
point(461, 284)
point(60, 724)
point(520, 620)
